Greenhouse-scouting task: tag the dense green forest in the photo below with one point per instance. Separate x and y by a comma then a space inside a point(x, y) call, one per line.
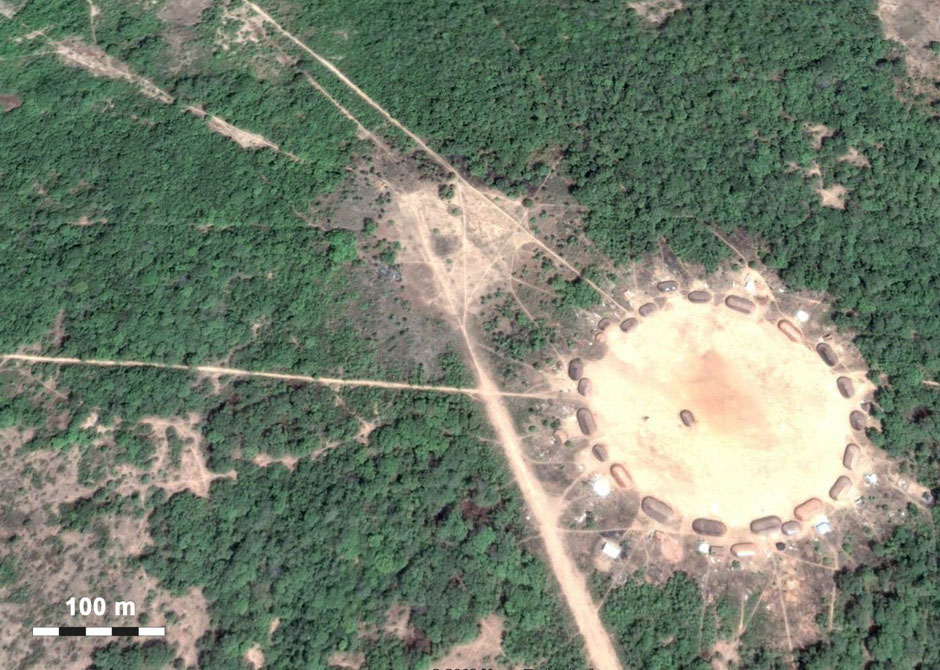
point(663, 133)
point(423, 515)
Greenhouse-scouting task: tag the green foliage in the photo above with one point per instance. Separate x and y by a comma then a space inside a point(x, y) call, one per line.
point(148, 656)
point(658, 628)
point(342, 248)
point(8, 570)
point(445, 191)
point(183, 294)
point(573, 294)
point(885, 612)
point(423, 515)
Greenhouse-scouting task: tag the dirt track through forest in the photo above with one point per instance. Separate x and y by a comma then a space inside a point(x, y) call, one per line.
point(421, 143)
point(283, 376)
point(454, 298)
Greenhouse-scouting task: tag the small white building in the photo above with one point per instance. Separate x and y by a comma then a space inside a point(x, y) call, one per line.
point(611, 550)
point(601, 486)
point(802, 316)
point(823, 527)
point(704, 548)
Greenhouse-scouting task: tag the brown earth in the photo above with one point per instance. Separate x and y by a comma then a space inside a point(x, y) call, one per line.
point(854, 157)
point(255, 657)
point(243, 138)
point(346, 659)
point(656, 12)
point(99, 64)
point(832, 196)
point(482, 651)
point(10, 101)
point(916, 25)
point(184, 12)
point(53, 565)
point(816, 133)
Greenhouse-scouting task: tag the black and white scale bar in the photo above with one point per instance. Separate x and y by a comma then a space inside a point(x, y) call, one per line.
point(109, 631)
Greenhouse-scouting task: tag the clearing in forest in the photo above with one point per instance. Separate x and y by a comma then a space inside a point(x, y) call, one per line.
point(719, 408)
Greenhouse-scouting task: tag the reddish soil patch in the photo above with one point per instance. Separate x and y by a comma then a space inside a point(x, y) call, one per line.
point(9, 102)
point(669, 547)
point(770, 424)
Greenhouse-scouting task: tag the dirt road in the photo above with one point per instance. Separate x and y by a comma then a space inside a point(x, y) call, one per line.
point(600, 649)
point(443, 162)
point(238, 372)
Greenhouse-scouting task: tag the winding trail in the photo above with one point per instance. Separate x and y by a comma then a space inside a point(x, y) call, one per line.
point(238, 372)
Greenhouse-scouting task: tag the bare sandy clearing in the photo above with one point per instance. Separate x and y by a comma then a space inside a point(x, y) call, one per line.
point(347, 659)
point(769, 425)
point(243, 138)
point(192, 473)
point(482, 651)
point(184, 12)
point(99, 64)
point(8, 9)
point(856, 158)
point(656, 12)
point(255, 657)
point(816, 133)
point(264, 460)
point(916, 25)
point(84, 221)
point(9, 102)
point(833, 196)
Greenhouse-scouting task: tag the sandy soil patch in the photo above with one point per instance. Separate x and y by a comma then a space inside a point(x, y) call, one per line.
point(255, 657)
point(243, 138)
point(347, 659)
point(856, 158)
point(816, 133)
point(482, 651)
point(84, 221)
point(656, 12)
point(833, 196)
point(770, 426)
point(191, 474)
point(916, 25)
point(264, 460)
point(9, 102)
point(248, 28)
point(397, 621)
point(99, 64)
point(55, 564)
point(8, 9)
point(669, 547)
point(184, 12)
point(725, 655)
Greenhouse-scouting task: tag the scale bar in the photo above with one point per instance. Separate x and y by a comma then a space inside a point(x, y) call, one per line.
point(103, 631)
